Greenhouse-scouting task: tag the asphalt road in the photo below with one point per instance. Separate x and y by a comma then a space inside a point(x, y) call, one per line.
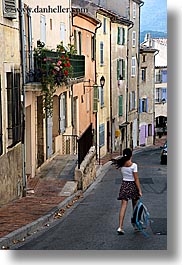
point(92, 222)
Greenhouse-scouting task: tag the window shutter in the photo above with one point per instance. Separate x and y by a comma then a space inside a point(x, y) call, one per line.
point(101, 53)
point(140, 105)
point(120, 105)
point(164, 76)
point(95, 99)
point(101, 135)
point(118, 69)
point(164, 93)
point(123, 69)
point(123, 41)
point(119, 35)
point(130, 101)
point(146, 131)
point(9, 9)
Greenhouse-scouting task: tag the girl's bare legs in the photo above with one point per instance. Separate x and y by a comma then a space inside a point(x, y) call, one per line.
point(122, 213)
point(134, 202)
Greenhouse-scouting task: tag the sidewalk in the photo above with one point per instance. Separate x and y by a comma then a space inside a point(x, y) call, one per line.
point(48, 195)
point(51, 190)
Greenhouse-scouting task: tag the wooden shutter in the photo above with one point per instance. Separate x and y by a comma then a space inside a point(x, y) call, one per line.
point(123, 69)
point(120, 105)
point(95, 99)
point(123, 36)
point(119, 36)
point(9, 9)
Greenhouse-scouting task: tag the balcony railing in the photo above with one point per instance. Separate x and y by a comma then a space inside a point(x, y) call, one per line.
point(77, 62)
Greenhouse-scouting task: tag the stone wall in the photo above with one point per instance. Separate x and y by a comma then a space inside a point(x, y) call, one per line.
point(87, 172)
point(11, 175)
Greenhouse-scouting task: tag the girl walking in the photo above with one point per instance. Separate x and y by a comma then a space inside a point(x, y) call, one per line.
point(130, 186)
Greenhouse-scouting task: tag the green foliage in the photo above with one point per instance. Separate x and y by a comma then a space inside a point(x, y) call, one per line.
point(54, 69)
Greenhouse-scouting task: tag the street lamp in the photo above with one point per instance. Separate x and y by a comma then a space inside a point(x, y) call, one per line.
point(102, 81)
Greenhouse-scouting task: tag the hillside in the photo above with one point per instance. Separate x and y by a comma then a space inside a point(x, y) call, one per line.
point(154, 34)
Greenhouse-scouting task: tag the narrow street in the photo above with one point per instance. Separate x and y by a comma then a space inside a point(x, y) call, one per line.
point(92, 222)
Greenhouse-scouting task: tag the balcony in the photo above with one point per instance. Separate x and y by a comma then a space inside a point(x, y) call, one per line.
point(42, 67)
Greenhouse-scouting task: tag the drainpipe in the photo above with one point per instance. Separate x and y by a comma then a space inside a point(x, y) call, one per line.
point(138, 79)
point(96, 115)
point(111, 109)
point(23, 64)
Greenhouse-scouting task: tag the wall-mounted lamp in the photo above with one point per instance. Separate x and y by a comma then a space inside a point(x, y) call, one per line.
point(163, 101)
point(102, 81)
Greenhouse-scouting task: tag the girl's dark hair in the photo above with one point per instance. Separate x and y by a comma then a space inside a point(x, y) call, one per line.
point(127, 154)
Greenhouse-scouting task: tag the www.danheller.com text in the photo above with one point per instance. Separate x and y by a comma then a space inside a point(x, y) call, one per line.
point(48, 9)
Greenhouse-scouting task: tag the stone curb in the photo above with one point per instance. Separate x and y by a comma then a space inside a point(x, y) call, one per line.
point(27, 230)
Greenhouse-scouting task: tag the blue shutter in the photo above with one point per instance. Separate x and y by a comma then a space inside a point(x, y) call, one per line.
point(101, 135)
point(140, 105)
point(164, 93)
point(164, 76)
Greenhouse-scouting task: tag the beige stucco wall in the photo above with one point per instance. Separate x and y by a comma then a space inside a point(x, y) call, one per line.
point(104, 70)
point(11, 159)
point(132, 80)
point(52, 35)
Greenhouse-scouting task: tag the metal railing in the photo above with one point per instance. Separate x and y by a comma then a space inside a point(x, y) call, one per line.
point(69, 144)
point(85, 141)
point(34, 74)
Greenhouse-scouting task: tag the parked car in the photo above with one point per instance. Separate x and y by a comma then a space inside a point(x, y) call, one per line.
point(164, 154)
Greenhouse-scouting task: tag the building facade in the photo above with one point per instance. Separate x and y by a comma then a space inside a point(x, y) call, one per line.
point(147, 96)
point(11, 176)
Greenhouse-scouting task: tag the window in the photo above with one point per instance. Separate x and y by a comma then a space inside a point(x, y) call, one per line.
point(150, 130)
point(158, 76)
point(132, 103)
point(9, 9)
point(78, 41)
point(161, 95)
point(143, 102)
point(14, 108)
point(62, 113)
point(101, 53)
point(121, 69)
point(143, 58)
point(143, 74)
point(104, 25)
point(120, 106)
point(121, 36)
point(133, 66)
point(134, 39)
point(134, 10)
point(1, 132)
point(101, 135)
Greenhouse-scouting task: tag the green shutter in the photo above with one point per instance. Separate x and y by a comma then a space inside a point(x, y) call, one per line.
point(119, 35)
point(123, 69)
point(118, 69)
point(120, 105)
point(123, 40)
point(95, 99)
